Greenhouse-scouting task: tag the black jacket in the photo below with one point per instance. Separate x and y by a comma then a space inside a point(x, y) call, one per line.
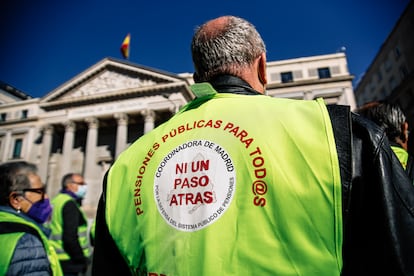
point(72, 219)
point(378, 199)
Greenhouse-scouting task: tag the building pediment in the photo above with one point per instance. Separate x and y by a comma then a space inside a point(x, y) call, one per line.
point(112, 79)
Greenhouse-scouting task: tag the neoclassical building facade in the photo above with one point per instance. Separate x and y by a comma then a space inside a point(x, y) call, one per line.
point(85, 123)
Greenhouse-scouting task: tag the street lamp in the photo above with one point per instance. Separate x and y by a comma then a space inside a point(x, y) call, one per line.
point(176, 106)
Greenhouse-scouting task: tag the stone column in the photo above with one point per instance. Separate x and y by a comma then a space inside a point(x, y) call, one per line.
point(349, 97)
point(308, 95)
point(6, 147)
point(149, 118)
point(32, 147)
point(92, 172)
point(68, 139)
point(121, 132)
point(46, 147)
point(90, 151)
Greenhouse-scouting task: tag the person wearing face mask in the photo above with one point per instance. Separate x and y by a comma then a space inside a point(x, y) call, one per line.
point(24, 207)
point(69, 226)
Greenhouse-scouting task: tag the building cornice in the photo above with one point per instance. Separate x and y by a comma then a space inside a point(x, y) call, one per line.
point(16, 122)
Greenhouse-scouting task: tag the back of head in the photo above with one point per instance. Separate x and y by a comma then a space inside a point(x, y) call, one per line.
point(14, 177)
point(225, 45)
point(388, 116)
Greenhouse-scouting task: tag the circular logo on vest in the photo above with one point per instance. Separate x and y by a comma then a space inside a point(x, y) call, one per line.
point(194, 185)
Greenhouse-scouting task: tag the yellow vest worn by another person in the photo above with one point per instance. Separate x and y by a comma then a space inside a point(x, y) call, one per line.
point(401, 154)
point(56, 225)
point(8, 242)
point(231, 185)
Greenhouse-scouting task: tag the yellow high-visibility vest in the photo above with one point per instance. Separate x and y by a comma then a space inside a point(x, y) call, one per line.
point(10, 240)
point(401, 154)
point(56, 225)
point(231, 185)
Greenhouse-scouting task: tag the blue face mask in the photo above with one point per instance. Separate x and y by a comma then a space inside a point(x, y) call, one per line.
point(81, 192)
point(40, 211)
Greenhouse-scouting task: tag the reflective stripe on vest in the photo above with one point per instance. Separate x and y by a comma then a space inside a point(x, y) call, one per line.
point(240, 185)
point(9, 242)
point(56, 224)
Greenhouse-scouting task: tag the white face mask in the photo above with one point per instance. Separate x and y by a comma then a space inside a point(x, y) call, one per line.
point(81, 192)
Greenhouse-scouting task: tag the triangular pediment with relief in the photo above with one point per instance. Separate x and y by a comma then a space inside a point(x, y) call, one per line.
point(106, 82)
point(110, 79)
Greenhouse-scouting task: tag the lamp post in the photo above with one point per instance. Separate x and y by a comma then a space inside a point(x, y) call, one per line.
point(176, 106)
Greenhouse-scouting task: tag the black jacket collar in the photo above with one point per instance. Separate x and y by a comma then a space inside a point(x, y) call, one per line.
point(232, 84)
point(395, 144)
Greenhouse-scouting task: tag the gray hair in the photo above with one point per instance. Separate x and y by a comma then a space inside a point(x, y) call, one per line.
point(14, 177)
point(389, 117)
point(229, 49)
point(67, 179)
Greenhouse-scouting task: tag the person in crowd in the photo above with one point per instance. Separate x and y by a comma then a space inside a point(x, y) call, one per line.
point(70, 227)
point(392, 119)
point(24, 207)
point(240, 183)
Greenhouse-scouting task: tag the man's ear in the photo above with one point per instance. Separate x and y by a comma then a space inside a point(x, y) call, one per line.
point(14, 200)
point(405, 126)
point(262, 69)
point(405, 130)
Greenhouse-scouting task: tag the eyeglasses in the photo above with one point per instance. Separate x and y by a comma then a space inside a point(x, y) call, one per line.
point(78, 183)
point(40, 191)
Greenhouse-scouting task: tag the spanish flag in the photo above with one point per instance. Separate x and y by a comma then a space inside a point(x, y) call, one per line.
point(125, 46)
